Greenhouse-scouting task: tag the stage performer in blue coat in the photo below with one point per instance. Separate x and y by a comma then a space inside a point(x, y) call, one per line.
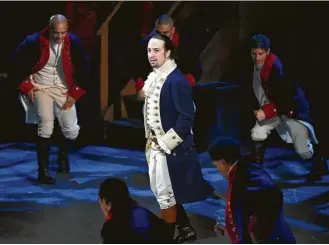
point(52, 70)
point(254, 212)
point(174, 170)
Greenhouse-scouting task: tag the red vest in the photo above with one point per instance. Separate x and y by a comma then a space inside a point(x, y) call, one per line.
point(44, 56)
point(73, 89)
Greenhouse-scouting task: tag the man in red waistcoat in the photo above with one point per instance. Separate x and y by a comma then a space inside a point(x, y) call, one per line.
point(278, 106)
point(52, 69)
point(254, 206)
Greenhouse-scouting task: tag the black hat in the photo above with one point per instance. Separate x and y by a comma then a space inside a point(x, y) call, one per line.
point(224, 148)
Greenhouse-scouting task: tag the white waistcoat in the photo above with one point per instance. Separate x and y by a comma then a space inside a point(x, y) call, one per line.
point(50, 79)
point(52, 74)
point(152, 90)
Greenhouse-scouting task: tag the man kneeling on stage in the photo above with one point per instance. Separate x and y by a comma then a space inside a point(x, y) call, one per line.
point(273, 99)
point(47, 65)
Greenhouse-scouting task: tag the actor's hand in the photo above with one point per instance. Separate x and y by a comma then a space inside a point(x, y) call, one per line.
point(140, 95)
point(30, 94)
point(70, 101)
point(219, 229)
point(154, 140)
point(254, 238)
point(260, 115)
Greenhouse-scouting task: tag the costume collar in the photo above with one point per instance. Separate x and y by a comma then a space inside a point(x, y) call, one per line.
point(162, 73)
point(267, 67)
point(232, 169)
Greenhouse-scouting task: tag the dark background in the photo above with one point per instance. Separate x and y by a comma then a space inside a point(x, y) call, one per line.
point(298, 32)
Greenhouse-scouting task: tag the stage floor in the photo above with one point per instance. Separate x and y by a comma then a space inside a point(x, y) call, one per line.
point(68, 212)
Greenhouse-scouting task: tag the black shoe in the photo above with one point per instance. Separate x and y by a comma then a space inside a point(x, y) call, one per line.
point(63, 157)
point(185, 234)
point(316, 175)
point(317, 172)
point(46, 179)
point(43, 146)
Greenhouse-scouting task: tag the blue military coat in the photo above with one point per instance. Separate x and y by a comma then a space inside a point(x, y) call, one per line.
point(255, 206)
point(173, 106)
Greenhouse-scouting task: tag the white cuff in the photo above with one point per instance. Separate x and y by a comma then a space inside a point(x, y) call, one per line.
point(163, 146)
point(171, 139)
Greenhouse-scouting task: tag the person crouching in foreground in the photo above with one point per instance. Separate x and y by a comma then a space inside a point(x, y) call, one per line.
point(254, 212)
point(126, 221)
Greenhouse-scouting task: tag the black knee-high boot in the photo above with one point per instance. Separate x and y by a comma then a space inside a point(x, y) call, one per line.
point(259, 151)
point(319, 165)
point(185, 230)
point(63, 155)
point(170, 216)
point(43, 147)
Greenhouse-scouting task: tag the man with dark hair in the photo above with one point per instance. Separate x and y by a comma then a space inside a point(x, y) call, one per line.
point(275, 107)
point(254, 210)
point(186, 55)
point(125, 220)
point(48, 66)
point(166, 26)
point(174, 169)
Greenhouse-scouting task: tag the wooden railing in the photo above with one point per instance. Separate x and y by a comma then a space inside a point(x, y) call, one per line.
point(173, 7)
point(103, 32)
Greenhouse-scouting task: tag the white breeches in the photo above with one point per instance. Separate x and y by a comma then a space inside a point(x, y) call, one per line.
point(159, 179)
point(290, 130)
point(47, 109)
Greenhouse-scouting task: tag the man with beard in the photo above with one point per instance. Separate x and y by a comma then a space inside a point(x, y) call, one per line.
point(275, 108)
point(48, 66)
point(174, 169)
point(186, 55)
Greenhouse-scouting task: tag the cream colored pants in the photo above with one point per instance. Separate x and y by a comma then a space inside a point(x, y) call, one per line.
point(160, 181)
point(290, 130)
point(48, 103)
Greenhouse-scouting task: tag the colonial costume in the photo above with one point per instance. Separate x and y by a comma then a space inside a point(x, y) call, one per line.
point(54, 70)
point(174, 170)
point(186, 57)
point(276, 96)
point(254, 207)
